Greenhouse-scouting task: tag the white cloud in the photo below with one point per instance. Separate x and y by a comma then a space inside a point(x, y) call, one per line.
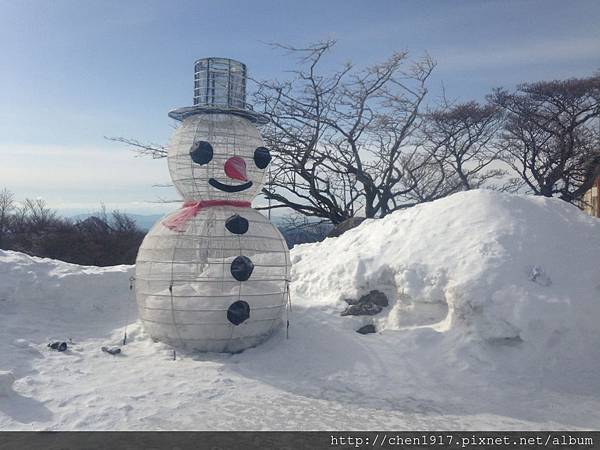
point(84, 178)
point(57, 168)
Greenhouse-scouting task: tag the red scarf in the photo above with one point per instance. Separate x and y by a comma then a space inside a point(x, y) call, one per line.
point(178, 222)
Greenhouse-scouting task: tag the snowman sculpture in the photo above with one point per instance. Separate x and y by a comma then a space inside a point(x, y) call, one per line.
point(212, 276)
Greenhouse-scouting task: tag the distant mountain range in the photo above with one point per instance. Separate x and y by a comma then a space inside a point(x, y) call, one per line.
point(144, 221)
point(293, 236)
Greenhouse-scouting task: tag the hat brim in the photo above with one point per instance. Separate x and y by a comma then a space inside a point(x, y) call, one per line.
point(187, 111)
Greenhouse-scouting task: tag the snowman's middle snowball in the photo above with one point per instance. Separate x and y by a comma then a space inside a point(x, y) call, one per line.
point(185, 284)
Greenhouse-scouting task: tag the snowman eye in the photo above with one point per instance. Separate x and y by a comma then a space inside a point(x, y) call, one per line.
point(262, 157)
point(201, 152)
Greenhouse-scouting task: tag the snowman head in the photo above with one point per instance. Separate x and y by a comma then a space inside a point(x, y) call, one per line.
point(217, 157)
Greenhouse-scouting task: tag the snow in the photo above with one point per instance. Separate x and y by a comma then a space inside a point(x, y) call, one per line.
point(492, 324)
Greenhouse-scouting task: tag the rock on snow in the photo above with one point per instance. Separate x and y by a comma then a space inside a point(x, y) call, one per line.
point(492, 324)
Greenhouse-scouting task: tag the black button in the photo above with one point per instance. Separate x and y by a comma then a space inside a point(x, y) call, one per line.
point(241, 268)
point(238, 312)
point(236, 224)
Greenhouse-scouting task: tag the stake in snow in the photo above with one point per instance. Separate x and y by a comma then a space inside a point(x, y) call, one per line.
point(213, 275)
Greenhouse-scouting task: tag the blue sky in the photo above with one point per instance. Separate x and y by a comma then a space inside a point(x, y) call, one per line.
point(75, 71)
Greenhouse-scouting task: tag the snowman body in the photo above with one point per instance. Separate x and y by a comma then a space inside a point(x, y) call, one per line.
point(213, 276)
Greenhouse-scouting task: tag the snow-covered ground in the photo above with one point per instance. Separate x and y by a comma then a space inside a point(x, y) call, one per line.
point(494, 323)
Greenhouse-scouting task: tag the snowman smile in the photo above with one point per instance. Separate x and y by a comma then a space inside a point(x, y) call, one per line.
point(229, 188)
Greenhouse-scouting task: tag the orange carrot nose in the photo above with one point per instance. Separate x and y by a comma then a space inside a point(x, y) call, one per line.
point(235, 167)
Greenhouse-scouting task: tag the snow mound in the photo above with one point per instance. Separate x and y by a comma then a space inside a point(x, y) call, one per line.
point(59, 300)
point(491, 266)
point(6, 381)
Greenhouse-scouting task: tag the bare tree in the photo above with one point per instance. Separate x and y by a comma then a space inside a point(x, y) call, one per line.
point(7, 205)
point(551, 135)
point(344, 142)
point(156, 151)
point(460, 137)
point(37, 213)
point(426, 179)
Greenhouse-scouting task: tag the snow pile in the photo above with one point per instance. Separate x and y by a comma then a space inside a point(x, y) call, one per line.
point(494, 267)
point(492, 323)
point(6, 381)
point(48, 298)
